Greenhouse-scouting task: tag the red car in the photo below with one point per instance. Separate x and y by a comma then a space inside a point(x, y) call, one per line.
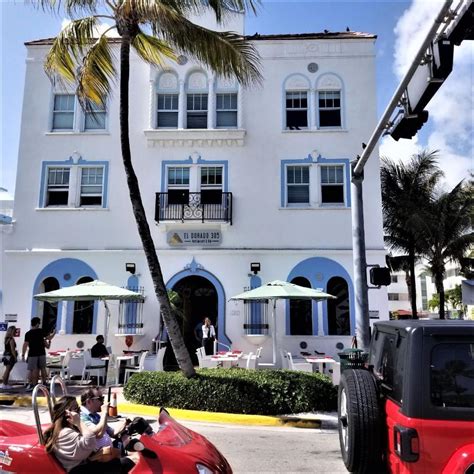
point(412, 409)
point(178, 449)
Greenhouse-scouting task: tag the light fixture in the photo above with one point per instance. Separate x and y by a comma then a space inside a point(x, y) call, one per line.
point(130, 267)
point(255, 267)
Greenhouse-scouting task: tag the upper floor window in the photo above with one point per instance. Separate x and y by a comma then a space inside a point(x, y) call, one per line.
point(393, 297)
point(297, 184)
point(63, 112)
point(58, 187)
point(329, 107)
point(196, 116)
point(226, 110)
point(69, 184)
point(296, 110)
point(167, 114)
point(332, 184)
point(94, 119)
point(92, 186)
point(178, 177)
point(211, 177)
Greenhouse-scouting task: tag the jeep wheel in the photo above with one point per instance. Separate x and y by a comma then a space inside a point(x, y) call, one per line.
point(360, 431)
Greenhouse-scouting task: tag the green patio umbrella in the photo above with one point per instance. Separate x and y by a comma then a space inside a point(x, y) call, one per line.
point(281, 290)
point(93, 290)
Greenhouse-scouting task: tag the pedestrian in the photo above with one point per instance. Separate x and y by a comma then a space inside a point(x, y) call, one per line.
point(10, 356)
point(208, 336)
point(99, 350)
point(36, 340)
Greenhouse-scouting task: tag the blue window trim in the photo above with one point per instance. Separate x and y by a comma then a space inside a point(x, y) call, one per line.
point(328, 268)
point(195, 269)
point(199, 162)
point(318, 161)
point(70, 163)
point(75, 269)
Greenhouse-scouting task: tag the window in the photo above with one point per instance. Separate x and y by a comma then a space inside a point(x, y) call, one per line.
point(393, 297)
point(74, 185)
point(226, 110)
point(196, 111)
point(332, 184)
point(211, 185)
point(296, 110)
point(329, 108)
point(178, 185)
point(91, 186)
point(63, 112)
point(94, 119)
point(167, 114)
point(83, 316)
point(297, 178)
point(57, 193)
point(301, 315)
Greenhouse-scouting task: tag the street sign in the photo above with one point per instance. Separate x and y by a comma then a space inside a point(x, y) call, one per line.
point(3, 326)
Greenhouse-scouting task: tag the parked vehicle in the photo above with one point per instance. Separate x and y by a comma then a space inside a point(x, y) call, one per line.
point(411, 410)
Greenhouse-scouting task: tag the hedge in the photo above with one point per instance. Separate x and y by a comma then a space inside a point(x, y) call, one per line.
point(260, 392)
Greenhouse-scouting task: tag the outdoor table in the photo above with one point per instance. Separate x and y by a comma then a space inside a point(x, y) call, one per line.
point(320, 361)
point(76, 363)
point(115, 375)
point(227, 359)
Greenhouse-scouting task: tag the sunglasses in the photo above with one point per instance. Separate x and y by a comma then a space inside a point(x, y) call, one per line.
point(97, 398)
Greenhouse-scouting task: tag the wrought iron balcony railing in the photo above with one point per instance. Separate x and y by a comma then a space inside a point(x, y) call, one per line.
point(181, 205)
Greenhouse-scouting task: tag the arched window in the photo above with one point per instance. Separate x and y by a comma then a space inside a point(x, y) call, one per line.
point(167, 101)
point(83, 316)
point(297, 90)
point(338, 309)
point(329, 101)
point(301, 318)
point(50, 311)
point(196, 100)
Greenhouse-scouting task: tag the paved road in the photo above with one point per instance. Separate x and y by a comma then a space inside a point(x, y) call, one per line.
point(253, 449)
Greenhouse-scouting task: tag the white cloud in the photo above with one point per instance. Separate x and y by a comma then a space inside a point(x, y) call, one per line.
point(98, 30)
point(451, 109)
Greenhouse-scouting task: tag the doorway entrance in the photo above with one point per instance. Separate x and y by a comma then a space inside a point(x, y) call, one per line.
point(197, 300)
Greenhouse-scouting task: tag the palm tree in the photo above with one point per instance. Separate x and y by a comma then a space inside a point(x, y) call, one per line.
point(79, 58)
point(406, 189)
point(448, 233)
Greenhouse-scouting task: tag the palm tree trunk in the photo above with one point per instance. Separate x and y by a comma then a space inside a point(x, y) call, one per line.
point(440, 289)
point(176, 338)
point(412, 259)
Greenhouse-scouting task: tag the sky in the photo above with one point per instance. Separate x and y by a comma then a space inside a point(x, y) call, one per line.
point(400, 26)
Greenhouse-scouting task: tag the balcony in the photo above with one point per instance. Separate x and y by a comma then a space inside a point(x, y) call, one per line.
point(181, 205)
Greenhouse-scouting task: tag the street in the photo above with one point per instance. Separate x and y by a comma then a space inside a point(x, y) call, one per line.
point(252, 449)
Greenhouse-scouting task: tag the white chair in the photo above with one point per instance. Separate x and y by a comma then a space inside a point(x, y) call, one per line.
point(61, 368)
point(159, 359)
point(335, 372)
point(300, 366)
point(251, 361)
point(93, 367)
point(205, 362)
point(135, 369)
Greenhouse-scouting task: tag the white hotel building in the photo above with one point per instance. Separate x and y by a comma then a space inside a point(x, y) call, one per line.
point(229, 177)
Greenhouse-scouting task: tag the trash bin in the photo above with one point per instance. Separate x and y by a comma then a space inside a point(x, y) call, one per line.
point(353, 359)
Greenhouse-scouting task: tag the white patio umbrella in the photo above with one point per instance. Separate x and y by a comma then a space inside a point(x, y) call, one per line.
point(281, 290)
point(93, 290)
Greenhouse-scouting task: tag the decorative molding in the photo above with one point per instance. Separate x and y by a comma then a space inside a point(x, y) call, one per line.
point(197, 81)
point(168, 81)
point(329, 81)
point(195, 138)
point(194, 267)
point(226, 84)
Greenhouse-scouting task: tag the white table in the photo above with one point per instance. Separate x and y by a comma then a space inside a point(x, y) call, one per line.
point(320, 361)
point(227, 360)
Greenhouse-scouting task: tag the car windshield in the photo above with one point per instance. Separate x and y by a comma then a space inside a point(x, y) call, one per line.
point(452, 375)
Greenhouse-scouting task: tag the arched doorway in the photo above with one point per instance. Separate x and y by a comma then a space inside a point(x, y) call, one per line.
point(50, 310)
point(83, 316)
point(301, 318)
point(338, 309)
point(197, 300)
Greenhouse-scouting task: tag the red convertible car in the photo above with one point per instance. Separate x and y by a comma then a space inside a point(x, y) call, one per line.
point(178, 449)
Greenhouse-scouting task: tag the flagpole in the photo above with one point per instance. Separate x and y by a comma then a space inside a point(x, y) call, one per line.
point(274, 331)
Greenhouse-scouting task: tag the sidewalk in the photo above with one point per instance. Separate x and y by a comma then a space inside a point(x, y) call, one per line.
point(19, 397)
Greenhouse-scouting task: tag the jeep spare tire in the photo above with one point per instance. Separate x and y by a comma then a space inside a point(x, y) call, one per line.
point(359, 422)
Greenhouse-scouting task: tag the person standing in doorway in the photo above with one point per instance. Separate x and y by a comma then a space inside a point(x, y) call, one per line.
point(208, 336)
point(36, 340)
point(10, 356)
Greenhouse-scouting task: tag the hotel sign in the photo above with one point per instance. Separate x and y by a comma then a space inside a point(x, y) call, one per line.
point(183, 238)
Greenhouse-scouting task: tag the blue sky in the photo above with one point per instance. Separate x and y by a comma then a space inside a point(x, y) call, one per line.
point(399, 25)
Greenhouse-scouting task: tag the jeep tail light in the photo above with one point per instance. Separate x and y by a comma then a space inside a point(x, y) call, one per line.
point(406, 443)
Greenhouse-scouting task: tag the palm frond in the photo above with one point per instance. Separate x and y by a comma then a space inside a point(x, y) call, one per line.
point(72, 8)
point(95, 74)
point(151, 49)
point(68, 48)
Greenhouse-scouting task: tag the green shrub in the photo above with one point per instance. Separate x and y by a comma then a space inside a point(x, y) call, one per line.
point(262, 392)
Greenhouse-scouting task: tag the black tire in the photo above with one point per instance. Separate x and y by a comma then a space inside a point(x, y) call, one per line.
point(360, 422)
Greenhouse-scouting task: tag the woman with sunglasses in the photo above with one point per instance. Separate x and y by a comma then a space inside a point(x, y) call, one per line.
point(73, 443)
